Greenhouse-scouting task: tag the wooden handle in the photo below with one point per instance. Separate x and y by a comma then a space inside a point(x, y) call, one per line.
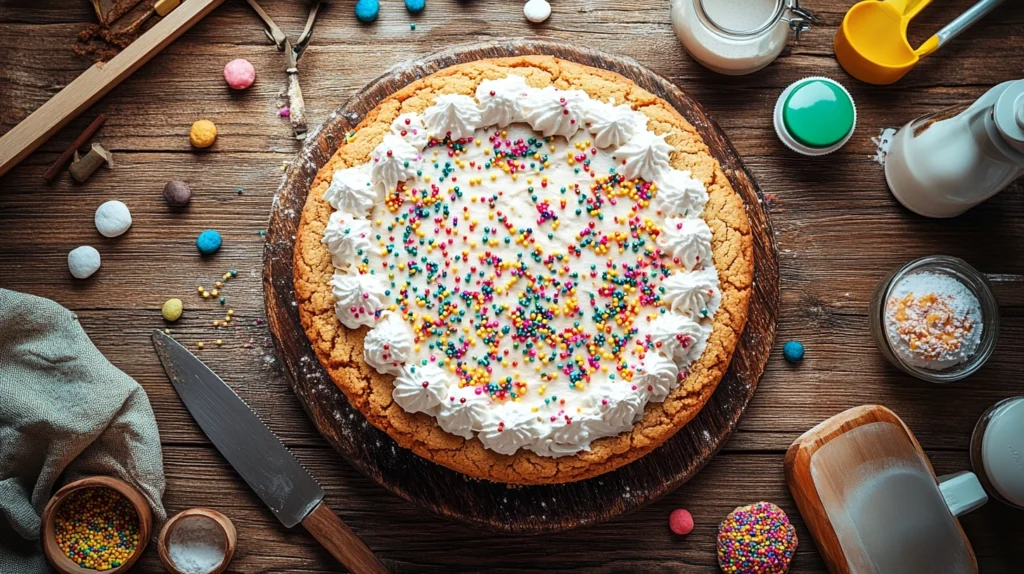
point(341, 542)
point(95, 82)
point(296, 105)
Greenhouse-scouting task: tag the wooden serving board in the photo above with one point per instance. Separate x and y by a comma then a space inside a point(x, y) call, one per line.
point(445, 492)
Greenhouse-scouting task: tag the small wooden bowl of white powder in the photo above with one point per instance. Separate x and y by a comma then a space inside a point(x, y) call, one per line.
point(935, 319)
point(197, 541)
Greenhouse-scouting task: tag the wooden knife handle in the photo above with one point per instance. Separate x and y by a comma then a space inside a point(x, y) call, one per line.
point(341, 542)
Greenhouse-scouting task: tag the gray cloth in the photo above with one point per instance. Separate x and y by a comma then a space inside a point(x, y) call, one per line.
point(65, 413)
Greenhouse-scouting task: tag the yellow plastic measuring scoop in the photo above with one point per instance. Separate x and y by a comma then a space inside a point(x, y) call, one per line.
point(872, 45)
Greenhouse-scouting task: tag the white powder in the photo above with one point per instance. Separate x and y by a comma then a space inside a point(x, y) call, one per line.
point(196, 545)
point(933, 321)
point(740, 15)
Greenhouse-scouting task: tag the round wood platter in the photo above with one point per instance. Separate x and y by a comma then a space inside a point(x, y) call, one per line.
point(494, 506)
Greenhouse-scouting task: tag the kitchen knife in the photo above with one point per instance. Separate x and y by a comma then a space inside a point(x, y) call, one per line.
point(259, 456)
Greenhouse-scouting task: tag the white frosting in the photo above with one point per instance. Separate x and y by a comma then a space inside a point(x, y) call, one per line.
point(357, 298)
point(394, 160)
point(554, 112)
point(347, 238)
point(453, 115)
point(387, 346)
point(612, 125)
point(677, 337)
point(687, 239)
point(352, 192)
point(421, 389)
point(423, 267)
point(657, 376)
point(692, 293)
point(500, 100)
point(512, 430)
point(410, 127)
point(679, 194)
point(463, 411)
point(645, 156)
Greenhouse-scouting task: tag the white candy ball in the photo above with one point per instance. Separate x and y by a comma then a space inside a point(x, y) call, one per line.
point(83, 261)
point(113, 219)
point(537, 11)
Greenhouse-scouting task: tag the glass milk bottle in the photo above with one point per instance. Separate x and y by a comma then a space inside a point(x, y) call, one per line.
point(737, 36)
point(945, 163)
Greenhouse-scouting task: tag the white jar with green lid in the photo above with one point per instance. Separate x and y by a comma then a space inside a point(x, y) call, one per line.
point(815, 116)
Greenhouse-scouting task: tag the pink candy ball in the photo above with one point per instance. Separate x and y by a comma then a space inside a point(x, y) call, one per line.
point(680, 521)
point(239, 74)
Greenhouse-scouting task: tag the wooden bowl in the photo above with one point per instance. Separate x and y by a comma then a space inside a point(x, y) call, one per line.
point(60, 562)
point(223, 522)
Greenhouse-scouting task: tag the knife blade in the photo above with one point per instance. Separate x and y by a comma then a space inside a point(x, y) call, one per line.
point(258, 455)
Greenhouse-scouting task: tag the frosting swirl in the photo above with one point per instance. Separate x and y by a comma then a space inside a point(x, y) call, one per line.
point(657, 376)
point(508, 430)
point(612, 125)
point(357, 298)
point(421, 389)
point(410, 128)
point(554, 112)
point(386, 347)
point(351, 191)
point(567, 439)
point(680, 194)
point(677, 337)
point(645, 156)
point(687, 239)
point(394, 160)
point(500, 100)
point(462, 412)
point(619, 407)
point(347, 238)
point(694, 293)
point(453, 115)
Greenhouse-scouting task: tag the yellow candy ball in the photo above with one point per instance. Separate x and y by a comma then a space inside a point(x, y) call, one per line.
point(203, 134)
point(172, 309)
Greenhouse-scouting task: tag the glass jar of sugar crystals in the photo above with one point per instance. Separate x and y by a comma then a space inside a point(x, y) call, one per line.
point(737, 37)
point(935, 319)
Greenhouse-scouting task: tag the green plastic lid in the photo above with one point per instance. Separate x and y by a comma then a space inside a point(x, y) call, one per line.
point(818, 113)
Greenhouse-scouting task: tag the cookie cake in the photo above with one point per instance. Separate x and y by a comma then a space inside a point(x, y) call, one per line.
point(525, 269)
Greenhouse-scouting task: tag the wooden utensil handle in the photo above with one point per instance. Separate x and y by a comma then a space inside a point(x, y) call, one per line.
point(341, 542)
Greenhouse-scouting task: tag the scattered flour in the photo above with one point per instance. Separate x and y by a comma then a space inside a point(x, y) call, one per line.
point(882, 143)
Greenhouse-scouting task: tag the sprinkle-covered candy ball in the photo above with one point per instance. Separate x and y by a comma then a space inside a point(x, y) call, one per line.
point(208, 242)
point(112, 219)
point(366, 10)
point(756, 539)
point(202, 134)
point(793, 351)
point(83, 261)
point(239, 74)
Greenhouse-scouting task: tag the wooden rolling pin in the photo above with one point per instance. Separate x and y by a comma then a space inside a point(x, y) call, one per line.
point(95, 82)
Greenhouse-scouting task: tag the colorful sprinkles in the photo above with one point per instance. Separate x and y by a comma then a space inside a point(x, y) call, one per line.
point(97, 528)
point(756, 539)
point(482, 287)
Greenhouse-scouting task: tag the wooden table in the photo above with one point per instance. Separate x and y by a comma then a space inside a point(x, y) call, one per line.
point(839, 231)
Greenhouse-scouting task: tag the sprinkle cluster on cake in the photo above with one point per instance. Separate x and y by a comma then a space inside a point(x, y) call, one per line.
point(535, 269)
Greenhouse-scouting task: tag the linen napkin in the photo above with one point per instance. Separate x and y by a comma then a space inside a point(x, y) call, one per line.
point(65, 413)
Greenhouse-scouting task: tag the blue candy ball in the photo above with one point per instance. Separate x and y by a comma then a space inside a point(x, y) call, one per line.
point(208, 242)
point(793, 351)
point(415, 6)
point(366, 10)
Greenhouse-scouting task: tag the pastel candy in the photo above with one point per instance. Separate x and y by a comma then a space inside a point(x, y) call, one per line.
point(208, 242)
point(537, 11)
point(113, 219)
point(367, 10)
point(415, 6)
point(83, 261)
point(239, 74)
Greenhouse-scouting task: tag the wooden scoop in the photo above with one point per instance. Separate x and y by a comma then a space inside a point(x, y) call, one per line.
point(872, 501)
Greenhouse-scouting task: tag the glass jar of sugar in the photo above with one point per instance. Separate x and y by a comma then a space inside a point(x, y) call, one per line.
point(737, 36)
point(935, 318)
